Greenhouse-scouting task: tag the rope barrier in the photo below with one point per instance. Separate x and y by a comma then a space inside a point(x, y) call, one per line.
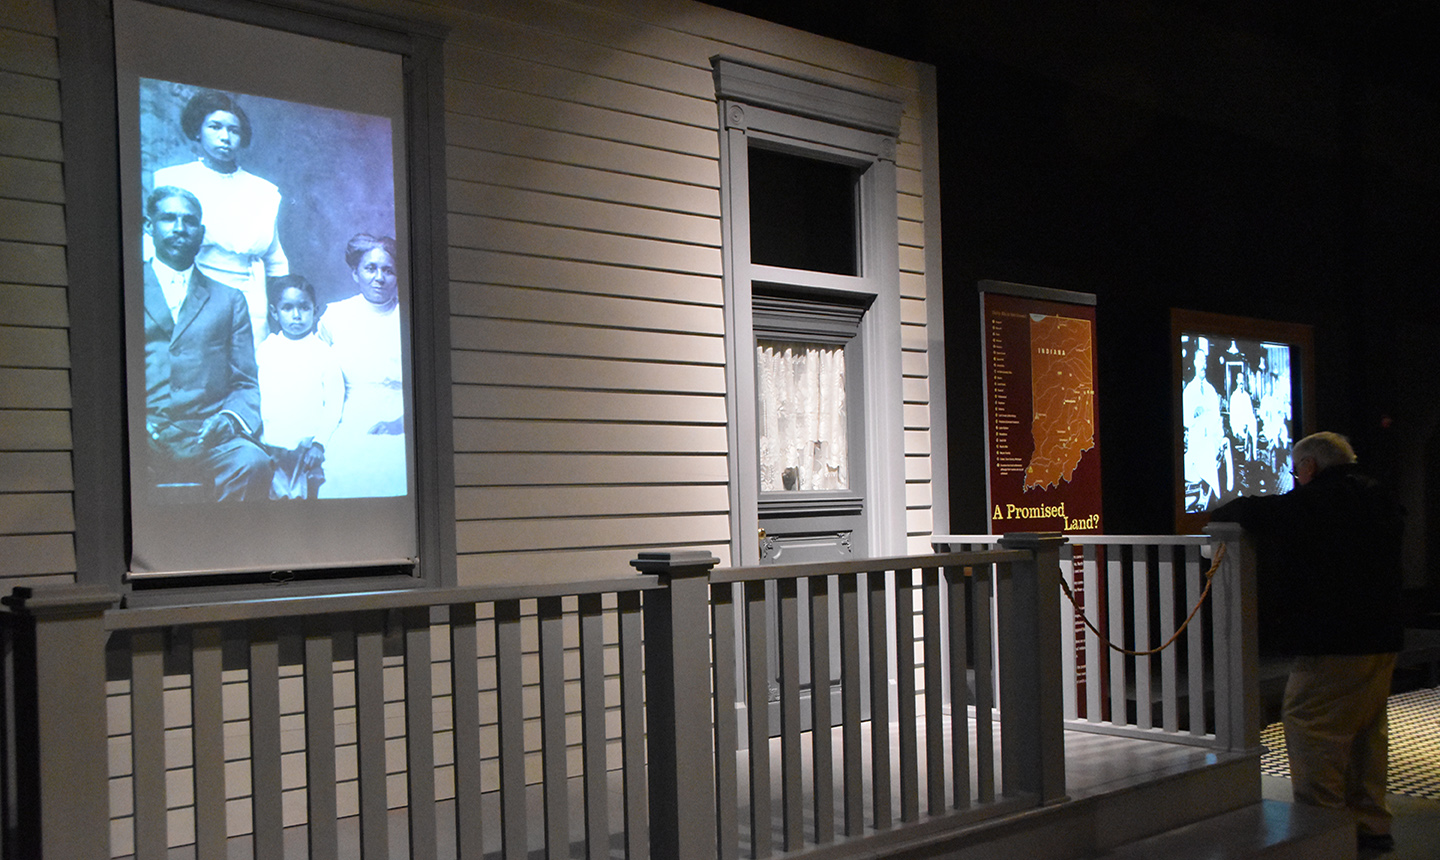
point(1209, 580)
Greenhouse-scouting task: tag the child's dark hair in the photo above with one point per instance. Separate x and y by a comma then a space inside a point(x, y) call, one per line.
point(277, 287)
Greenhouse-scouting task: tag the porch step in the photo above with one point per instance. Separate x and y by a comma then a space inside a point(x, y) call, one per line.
point(1270, 829)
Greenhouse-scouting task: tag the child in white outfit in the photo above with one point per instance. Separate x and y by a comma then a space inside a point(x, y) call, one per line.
point(302, 390)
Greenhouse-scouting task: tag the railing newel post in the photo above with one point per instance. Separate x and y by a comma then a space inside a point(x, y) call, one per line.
point(1032, 705)
point(677, 697)
point(1235, 602)
point(60, 720)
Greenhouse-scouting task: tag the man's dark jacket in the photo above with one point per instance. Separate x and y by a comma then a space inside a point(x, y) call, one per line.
point(1329, 564)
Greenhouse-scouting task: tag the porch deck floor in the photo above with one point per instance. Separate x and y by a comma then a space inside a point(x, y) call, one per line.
point(1095, 765)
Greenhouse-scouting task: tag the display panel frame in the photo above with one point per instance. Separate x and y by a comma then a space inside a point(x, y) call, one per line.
point(1236, 359)
point(101, 229)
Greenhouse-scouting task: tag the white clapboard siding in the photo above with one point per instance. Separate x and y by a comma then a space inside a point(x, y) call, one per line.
point(585, 265)
point(37, 520)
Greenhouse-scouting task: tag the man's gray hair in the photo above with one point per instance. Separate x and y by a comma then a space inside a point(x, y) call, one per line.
point(165, 192)
point(1326, 449)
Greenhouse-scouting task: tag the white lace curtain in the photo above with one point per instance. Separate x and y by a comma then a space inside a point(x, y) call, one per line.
point(801, 416)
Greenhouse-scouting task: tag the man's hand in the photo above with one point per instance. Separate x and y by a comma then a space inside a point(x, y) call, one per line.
point(216, 429)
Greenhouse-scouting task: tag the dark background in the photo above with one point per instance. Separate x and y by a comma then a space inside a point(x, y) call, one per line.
point(1266, 159)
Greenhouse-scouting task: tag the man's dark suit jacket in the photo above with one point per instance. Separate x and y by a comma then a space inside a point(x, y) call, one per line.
point(202, 364)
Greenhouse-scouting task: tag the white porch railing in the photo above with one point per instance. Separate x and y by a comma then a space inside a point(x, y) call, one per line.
point(595, 717)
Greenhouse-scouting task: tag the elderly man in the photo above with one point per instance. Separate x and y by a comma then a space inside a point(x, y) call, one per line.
point(202, 400)
point(1331, 547)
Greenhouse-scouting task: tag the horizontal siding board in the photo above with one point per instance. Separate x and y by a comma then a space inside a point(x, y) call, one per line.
point(594, 374)
point(912, 311)
point(557, 565)
point(35, 472)
point(569, 468)
point(26, 388)
point(32, 265)
point(916, 390)
point(580, 533)
point(910, 208)
point(512, 40)
point(481, 434)
point(914, 338)
point(479, 149)
point(539, 305)
point(917, 417)
point(23, 95)
point(35, 430)
point(471, 231)
point(27, 555)
point(496, 401)
point(27, 221)
point(524, 75)
point(544, 502)
point(28, 179)
point(33, 347)
point(917, 442)
point(478, 100)
point(583, 341)
point(29, 138)
point(36, 513)
point(699, 30)
point(917, 467)
point(912, 259)
point(582, 276)
point(28, 53)
point(566, 210)
point(912, 285)
point(44, 307)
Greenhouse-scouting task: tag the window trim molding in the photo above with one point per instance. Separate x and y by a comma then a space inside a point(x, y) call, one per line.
point(86, 36)
point(820, 120)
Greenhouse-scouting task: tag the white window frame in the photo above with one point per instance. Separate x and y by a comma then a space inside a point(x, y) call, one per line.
point(815, 120)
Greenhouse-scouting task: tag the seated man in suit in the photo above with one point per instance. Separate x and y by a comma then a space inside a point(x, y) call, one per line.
point(202, 398)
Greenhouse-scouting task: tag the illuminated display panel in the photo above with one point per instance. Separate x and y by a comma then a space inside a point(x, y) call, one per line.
point(1241, 400)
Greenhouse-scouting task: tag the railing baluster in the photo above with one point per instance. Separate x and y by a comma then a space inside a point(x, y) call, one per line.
point(509, 682)
point(147, 742)
point(1089, 603)
point(1140, 576)
point(984, 683)
point(592, 726)
point(959, 688)
point(321, 830)
point(792, 793)
point(822, 763)
point(1169, 684)
point(1070, 656)
point(420, 734)
point(727, 735)
point(909, 751)
point(1195, 640)
point(370, 734)
point(850, 704)
point(881, 807)
point(207, 719)
point(552, 728)
point(1115, 632)
point(465, 699)
point(758, 698)
point(934, 692)
point(632, 725)
point(267, 809)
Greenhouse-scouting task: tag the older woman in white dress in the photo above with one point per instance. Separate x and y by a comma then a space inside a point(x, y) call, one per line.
point(367, 456)
point(242, 246)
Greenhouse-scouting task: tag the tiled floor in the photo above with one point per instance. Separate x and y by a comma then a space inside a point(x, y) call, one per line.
point(1416, 826)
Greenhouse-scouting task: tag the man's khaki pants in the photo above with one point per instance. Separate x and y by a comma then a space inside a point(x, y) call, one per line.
point(1337, 735)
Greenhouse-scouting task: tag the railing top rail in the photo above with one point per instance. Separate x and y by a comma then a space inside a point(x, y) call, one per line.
point(146, 617)
point(866, 565)
point(1087, 539)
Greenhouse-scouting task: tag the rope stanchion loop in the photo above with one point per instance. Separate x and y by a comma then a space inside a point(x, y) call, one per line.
point(1209, 580)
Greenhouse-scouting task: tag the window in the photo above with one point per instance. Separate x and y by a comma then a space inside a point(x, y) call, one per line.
point(812, 306)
